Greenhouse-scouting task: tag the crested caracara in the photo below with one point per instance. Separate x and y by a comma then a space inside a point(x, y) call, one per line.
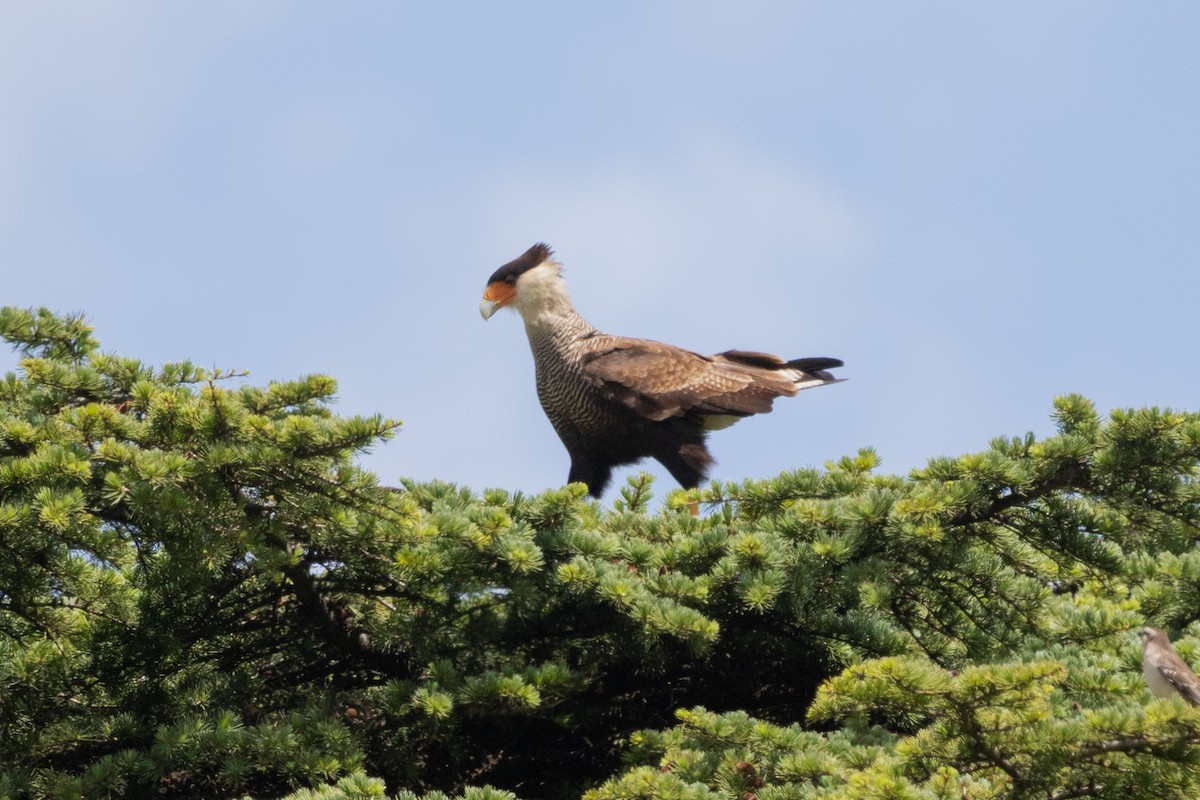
point(614, 400)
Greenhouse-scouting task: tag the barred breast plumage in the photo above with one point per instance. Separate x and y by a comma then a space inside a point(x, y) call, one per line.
point(574, 406)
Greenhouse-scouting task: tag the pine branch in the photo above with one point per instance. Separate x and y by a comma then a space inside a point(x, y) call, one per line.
point(1088, 790)
point(330, 619)
point(1071, 474)
point(1127, 744)
point(335, 624)
point(978, 742)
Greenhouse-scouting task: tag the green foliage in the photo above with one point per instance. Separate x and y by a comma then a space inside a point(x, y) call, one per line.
point(202, 595)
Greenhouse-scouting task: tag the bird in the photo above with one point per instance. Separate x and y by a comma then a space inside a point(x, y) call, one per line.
point(1165, 672)
point(614, 400)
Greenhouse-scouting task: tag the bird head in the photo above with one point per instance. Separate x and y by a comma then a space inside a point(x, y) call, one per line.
point(526, 283)
point(1148, 633)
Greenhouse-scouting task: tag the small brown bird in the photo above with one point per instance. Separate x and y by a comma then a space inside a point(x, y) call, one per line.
point(1166, 673)
point(614, 400)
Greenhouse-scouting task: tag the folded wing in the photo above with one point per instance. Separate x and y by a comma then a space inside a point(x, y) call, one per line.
point(658, 381)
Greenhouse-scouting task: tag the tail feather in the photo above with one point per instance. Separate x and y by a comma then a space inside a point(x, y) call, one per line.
point(797, 374)
point(768, 361)
point(815, 364)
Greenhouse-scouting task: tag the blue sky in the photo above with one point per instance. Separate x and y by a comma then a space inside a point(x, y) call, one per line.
point(977, 206)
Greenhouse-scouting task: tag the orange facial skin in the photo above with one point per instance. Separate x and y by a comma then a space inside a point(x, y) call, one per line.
point(501, 293)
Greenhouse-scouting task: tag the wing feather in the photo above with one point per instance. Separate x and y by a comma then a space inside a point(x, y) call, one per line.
point(658, 381)
point(1180, 675)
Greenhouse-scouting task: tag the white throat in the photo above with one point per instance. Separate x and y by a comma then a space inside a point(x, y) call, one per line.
point(542, 298)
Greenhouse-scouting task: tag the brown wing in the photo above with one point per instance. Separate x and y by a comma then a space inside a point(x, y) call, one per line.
point(658, 381)
point(1180, 675)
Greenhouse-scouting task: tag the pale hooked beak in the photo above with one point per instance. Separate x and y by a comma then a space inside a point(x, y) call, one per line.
point(487, 308)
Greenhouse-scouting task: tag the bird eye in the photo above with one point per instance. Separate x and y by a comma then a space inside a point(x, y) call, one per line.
point(510, 279)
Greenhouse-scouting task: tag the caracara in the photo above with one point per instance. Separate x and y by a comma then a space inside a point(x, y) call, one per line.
point(614, 401)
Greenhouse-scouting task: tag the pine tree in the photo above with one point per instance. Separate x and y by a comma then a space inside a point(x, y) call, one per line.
point(203, 595)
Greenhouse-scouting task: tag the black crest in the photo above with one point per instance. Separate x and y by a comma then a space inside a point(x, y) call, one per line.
point(526, 261)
